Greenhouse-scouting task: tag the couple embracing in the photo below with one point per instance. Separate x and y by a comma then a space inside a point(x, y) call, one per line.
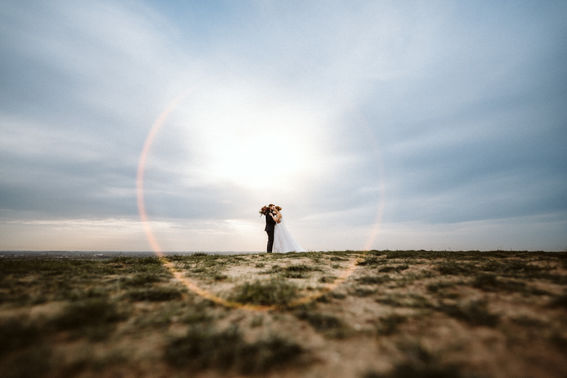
point(279, 238)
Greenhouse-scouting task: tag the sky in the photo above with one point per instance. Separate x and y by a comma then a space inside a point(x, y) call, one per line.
point(373, 124)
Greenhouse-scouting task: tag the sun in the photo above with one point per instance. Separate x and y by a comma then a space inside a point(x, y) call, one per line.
point(262, 159)
point(253, 142)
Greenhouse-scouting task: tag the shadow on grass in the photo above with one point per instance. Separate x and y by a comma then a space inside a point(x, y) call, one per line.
point(418, 362)
point(34, 361)
point(474, 313)
point(389, 325)
point(203, 348)
point(559, 301)
point(328, 324)
point(490, 282)
point(93, 318)
point(16, 333)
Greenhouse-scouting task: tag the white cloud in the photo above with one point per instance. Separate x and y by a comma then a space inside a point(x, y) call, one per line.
point(434, 92)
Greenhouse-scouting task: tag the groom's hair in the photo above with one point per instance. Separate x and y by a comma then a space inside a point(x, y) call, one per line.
point(270, 205)
point(264, 210)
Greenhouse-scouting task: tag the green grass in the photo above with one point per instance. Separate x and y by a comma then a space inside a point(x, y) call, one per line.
point(131, 264)
point(466, 255)
point(393, 268)
point(371, 261)
point(292, 271)
point(154, 294)
point(503, 267)
point(273, 292)
point(336, 258)
point(53, 267)
point(300, 268)
point(298, 271)
point(513, 267)
point(142, 279)
point(456, 268)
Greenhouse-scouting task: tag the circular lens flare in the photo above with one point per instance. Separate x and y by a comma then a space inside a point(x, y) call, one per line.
point(190, 284)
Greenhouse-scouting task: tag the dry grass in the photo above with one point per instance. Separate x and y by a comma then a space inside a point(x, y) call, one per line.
point(400, 314)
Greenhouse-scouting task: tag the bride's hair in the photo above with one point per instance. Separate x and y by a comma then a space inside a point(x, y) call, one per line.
point(265, 209)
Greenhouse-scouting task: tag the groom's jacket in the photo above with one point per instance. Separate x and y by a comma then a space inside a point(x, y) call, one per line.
point(270, 223)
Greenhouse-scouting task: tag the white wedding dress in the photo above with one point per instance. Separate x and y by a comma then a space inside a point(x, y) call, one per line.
point(283, 241)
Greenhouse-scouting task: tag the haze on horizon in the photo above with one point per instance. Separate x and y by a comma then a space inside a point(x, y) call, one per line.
point(384, 125)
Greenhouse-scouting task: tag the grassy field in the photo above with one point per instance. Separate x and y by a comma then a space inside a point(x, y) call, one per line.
point(375, 314)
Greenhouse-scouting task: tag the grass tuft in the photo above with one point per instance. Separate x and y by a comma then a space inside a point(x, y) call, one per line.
point(297, 271)
point(272, 292)
point(374, 280)
point(154, 294)
point(142, 279)
point(371, 261)
point(456, 268)
point(328, 324)
point(394, 268)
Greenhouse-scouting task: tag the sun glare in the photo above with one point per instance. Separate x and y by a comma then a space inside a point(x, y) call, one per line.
point(262, 160)
point(252, 142)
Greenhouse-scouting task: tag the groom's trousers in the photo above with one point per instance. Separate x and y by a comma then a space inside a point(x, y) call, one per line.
point(270, 240)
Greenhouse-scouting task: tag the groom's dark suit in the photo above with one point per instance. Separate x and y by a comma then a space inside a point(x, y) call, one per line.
point(270, 224)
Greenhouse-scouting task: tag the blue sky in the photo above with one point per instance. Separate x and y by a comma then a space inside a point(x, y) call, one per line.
point(387, 125)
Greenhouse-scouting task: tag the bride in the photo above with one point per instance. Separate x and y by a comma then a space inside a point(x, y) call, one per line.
point(283, 241)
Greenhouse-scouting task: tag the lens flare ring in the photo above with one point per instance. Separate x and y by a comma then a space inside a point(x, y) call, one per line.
point(190, 284)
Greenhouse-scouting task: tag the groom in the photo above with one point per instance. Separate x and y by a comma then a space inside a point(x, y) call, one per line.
point(270, 223)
